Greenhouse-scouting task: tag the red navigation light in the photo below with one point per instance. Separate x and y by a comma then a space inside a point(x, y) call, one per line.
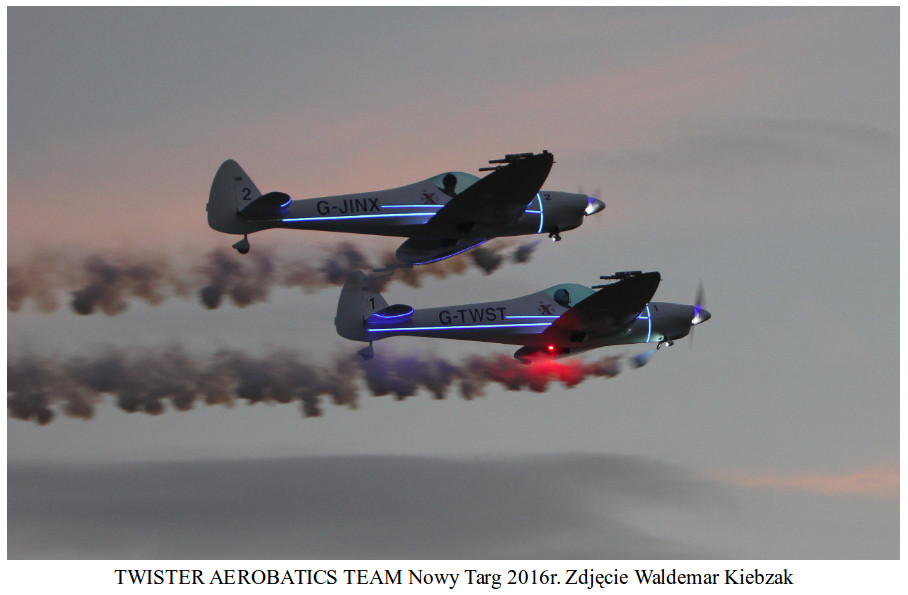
point(551, 348)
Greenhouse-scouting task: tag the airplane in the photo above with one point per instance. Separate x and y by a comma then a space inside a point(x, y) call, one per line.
point(442, 216)
point(561, 321)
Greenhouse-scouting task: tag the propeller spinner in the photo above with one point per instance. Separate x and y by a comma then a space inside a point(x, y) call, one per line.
point(593, 204)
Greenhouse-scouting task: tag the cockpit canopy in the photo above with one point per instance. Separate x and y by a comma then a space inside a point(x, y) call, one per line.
point(453, 182)
point(569, 295)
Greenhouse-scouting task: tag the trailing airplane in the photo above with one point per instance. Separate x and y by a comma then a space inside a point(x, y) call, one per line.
point(442, 216)
point(560, 321)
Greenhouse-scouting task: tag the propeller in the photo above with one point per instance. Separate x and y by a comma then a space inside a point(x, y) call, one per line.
point(701, 314)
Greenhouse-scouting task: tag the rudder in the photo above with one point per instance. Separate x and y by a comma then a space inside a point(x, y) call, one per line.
point(356, 303)
point(231, 192)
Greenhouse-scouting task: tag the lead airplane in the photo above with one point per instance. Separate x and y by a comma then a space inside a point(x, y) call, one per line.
point(442, 216)
point(557, 322)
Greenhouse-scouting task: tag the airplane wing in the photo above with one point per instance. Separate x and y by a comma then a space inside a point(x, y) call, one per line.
point(499, 198)
point(424, 251)
point(608, 311)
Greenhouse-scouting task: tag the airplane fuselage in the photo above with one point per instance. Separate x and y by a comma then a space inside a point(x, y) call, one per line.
point(559, 321)
point(521, 321)
point(441, 216)
point(404, 211)
point(514, 321)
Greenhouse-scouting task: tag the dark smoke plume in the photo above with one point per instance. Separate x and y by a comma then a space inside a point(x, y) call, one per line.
point(106, 282)
point(153, 381)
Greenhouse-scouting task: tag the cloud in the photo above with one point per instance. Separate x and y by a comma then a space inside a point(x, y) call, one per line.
point(875, 483)
point(579, 507)
point(365, 507)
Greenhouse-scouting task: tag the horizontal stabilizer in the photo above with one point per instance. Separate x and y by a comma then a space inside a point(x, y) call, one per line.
point(424, 251)
point(269, 206)
point(394, 314)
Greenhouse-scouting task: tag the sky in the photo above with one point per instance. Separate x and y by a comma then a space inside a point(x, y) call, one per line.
point(753, 150)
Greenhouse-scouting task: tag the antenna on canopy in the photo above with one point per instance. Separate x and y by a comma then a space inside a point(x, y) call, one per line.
point(618, 276)
point(508, 159)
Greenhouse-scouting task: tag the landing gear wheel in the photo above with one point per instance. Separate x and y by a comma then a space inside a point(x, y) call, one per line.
point(366, 353)
point(242, 246)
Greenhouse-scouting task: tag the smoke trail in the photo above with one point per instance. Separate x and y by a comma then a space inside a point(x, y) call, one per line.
point(490, 258)
point(156, 380)
point(106, 282)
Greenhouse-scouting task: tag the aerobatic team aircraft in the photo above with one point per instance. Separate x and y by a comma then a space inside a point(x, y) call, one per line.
point(560, 321)
point(442, 216)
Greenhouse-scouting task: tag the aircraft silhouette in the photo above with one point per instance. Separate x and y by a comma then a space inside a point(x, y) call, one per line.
point(442, 216)
point(560, 321)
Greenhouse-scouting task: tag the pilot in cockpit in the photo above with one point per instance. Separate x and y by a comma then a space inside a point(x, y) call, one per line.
point(563, 297)
point(450, 183)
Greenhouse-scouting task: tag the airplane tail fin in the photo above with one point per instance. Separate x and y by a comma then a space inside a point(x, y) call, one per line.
point(234, 202)
point(357, 302)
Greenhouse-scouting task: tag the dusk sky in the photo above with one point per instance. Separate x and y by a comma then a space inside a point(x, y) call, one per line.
point(755, 150)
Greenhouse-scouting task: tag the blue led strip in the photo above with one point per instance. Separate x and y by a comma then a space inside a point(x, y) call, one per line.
point(450, 255)
point(456, 327)
point(412, 206)
point(379, 318)
point(544, 317)
point(292, 219)
point(649, 324)
point(539, 212)
point(541, 216)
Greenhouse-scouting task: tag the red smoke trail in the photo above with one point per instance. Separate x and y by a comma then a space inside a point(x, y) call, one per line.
point(107, 282)
point(153, 381)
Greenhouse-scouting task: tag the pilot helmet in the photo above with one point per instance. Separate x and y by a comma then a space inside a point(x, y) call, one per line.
point(563, 297)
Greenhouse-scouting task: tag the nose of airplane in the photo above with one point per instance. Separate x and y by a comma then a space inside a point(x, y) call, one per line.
point(700, 315)
point(593, 205)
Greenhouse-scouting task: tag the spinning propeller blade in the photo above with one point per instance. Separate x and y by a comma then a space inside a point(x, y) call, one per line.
point(701, 314)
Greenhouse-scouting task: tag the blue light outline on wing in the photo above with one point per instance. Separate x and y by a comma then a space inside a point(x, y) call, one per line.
point(450, 255)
